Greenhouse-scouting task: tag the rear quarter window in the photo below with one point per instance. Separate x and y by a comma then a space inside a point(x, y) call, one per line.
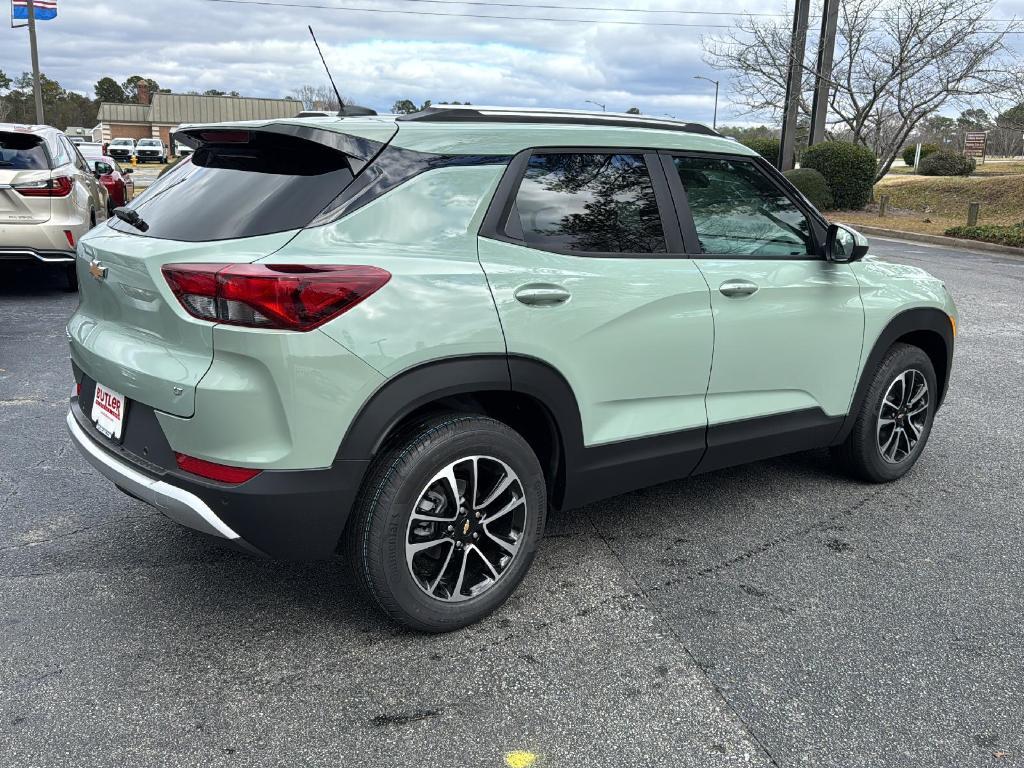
point(270, 183)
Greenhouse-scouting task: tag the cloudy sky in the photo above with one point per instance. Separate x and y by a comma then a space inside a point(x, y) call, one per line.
point(379, 55)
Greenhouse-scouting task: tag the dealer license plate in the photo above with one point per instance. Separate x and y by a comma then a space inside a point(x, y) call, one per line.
point(108, 411)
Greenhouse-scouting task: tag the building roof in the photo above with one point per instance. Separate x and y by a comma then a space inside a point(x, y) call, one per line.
point(111, 112)
point(175, 108)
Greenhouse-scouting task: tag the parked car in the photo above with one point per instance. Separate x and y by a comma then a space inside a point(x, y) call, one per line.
point(118, 181)
point(49, 197)
point(151, 150)
point(121, 149)
point(504, 311)
point(91, 150)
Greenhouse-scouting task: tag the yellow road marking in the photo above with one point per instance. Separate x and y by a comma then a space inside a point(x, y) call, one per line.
point(520, 759)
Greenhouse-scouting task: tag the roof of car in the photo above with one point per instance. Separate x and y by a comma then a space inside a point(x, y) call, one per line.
point(26, 128)
point(476, 130)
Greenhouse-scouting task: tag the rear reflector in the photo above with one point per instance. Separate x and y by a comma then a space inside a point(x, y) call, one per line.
point(59, 187)
point(212, 471)
point(70, 236)
point(281, 296)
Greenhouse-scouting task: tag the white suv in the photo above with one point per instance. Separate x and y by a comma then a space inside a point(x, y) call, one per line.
point(49, 197)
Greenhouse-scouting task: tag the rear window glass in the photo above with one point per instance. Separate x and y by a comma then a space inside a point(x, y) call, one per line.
point(268, 184)
point(22, 152)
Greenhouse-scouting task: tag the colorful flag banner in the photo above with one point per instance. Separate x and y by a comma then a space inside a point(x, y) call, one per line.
point(45, 10)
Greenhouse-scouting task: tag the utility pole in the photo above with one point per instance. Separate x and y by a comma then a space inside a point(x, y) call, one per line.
point(823, 73)
point(36, 85)
point(794, 83)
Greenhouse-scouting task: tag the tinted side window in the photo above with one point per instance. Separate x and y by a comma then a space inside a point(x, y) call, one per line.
point(737, 210)
point(597, 203)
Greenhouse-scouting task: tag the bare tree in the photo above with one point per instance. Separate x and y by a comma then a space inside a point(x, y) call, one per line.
point(897, 61)
point(318, 97)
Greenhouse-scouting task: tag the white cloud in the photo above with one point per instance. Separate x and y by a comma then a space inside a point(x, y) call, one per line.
point(377, 58)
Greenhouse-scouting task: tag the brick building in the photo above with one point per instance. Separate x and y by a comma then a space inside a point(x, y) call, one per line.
point(156, 117)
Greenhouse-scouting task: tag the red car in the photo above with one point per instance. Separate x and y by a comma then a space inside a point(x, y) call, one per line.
point(118, 181)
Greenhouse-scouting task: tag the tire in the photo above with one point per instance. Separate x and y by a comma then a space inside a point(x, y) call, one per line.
point(887, 440)
point(414, 475)
point(71, 277)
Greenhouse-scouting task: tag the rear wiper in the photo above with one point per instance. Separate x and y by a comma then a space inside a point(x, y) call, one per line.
point(128, 216)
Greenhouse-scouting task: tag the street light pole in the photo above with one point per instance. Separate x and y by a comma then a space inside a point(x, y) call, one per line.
point(36, 85)
point(714, 119)
point(596, 104)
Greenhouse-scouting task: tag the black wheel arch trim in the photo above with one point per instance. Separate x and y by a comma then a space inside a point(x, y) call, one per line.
point(927, 320)
point(583, 473)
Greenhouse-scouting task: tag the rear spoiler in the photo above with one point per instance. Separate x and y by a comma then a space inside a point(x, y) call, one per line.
point(361, 151)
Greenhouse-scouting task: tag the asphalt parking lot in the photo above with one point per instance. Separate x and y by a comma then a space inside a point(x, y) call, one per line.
point(773, 614)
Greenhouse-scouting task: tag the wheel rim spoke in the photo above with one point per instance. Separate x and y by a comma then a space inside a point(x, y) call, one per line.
point(444, 567)
point(439, 537)
point(503, 511)
point(510, 548)
point(502, 486)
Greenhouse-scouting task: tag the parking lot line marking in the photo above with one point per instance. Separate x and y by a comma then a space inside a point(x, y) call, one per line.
point(520, 759)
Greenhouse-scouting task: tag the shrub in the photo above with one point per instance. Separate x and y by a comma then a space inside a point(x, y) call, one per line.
point(946, 163)
point(813, 185)
point(849, 170)
point(910, 152)
point(765, 146)
point(991, 233)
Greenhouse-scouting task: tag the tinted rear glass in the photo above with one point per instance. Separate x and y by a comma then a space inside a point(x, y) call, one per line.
point(269, 184)
point(22, 152)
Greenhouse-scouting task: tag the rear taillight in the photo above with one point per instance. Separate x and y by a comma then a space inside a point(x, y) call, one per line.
point(212, 471)
point(283, 296)
point(59, 187)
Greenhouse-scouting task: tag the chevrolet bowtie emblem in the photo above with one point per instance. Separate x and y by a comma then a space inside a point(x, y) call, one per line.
point(97, 270)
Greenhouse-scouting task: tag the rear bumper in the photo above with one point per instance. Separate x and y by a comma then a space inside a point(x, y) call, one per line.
point(43, 255)
point(178, 504)
point(291, 515)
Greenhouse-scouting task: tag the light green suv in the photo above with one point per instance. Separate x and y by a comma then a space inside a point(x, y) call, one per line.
point(409, 337)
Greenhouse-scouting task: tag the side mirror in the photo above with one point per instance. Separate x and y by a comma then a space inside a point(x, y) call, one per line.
point(844, 244)
point(126, 171)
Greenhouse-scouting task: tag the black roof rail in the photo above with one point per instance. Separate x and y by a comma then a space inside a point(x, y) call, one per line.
point(443, 113)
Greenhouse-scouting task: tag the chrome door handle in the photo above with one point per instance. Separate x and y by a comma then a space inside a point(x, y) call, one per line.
point(541, 295)
point(733, 288)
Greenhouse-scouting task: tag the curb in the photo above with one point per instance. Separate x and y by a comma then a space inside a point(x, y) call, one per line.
point(948, 242)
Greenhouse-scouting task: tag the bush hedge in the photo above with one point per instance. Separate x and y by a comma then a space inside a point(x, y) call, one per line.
point(849, 170)
point(813, 185)
point(946, 163)
point(910, 152)
point(765, 146)
point(991, 233)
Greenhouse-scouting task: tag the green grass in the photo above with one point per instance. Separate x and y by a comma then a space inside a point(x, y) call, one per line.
point(933, 204)
point(990, 168)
